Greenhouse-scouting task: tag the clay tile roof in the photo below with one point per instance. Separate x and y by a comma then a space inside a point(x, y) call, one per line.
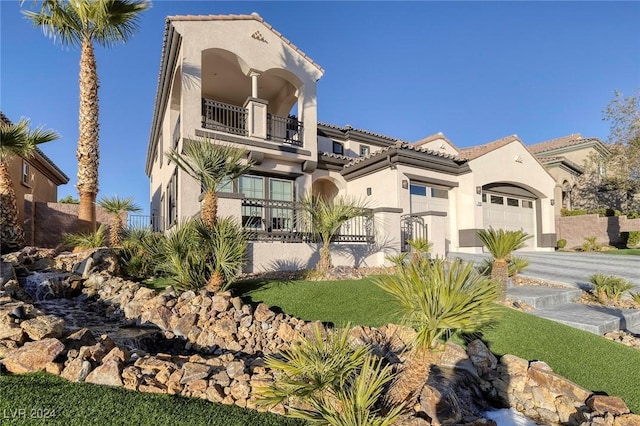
point(255, 17)
point(435, 137)
point(332, 155)
point(474, 152)
point(49, 161)
point(399, 145)
point(348, 128)
point(561, 142)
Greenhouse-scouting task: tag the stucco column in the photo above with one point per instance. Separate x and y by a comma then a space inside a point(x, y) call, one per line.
point(254, 83)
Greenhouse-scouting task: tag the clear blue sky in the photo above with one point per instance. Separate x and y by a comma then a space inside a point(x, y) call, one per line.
point(476, 71)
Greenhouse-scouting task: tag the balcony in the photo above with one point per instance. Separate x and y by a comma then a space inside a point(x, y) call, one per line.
point(233, 119)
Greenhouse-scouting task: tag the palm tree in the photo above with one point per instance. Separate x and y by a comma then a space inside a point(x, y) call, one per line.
point(436, 299)
point(420, 247)
point(81, 23)
point(116, 206)
point(326, 217)
point(15, 139)
point(210, 164)
point(501, 244)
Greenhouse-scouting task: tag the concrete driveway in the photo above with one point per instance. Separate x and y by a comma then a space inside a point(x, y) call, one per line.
point(572, 268)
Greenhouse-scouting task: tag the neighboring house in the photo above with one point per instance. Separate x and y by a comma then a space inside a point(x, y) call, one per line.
point(234, 79)
point(565, 159)
point(38, 176)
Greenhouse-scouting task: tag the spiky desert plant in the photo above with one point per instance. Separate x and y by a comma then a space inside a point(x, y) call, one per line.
point(225, 248)
point(81, 23)
point(210, 163)
point(324, 379)
point(116, 206)
point(516, 265)
point(15, 140)
point(325, 217)
point(591, 244)
point(419, 247)
point(501, 244)
point(398, 260)
point(138, 254)
point(609, 287)
point(436, 299)
point(87, 239)
point(635, 297)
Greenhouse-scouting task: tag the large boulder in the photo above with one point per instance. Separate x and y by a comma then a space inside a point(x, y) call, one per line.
point(43, 326)
point(33, 356)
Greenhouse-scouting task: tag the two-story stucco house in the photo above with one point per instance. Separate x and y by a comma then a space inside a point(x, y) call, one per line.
point(565, 158)
point(236, 80)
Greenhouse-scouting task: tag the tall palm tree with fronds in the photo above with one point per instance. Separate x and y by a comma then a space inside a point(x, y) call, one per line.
point(15, 139)
point(81, 23)
point(436, 299)
point(210, 164)
point(116, 206)
point(325, 218)
point(501, 244)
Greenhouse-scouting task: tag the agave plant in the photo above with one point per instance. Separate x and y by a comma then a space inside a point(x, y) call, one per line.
point(87, 240)
point(436, 299)
point(326, 380)
point(501, 244)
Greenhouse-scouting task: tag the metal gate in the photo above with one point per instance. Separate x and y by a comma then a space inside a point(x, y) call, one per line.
point(411, 228)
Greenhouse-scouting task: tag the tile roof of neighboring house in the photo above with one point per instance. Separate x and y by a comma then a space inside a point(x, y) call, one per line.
point(561, 142)
point(348, 128)
point(400, 145)
point(474, 152)
point(435, 137)
point(255, 17)
point(38, 151)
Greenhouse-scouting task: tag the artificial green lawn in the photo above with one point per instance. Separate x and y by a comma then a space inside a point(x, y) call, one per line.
point(50, 400)
point(587, 359)
point(631, 252)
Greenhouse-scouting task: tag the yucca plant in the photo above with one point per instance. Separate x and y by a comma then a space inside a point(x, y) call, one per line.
point(501, 244)
point(324, 379)
point(209, 163)
point(419, 248)
point(86, 240)
point(609, 287)
point(138, 255)
point(436, 299)
point(398, 260)
point(116, 206)
point(635, 297)
point(225, 248)
point(325, 217)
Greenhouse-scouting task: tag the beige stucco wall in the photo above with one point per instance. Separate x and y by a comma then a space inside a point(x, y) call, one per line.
point(440, 145)
point(500, 165)
point(384, 186)
point(40, 186)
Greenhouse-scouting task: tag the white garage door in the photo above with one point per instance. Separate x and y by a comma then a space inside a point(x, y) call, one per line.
point(509, 212)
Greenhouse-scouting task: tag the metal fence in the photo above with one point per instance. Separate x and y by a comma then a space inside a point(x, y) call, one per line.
point(224, 117)
point(411, 228)
point(270, 220)
point(287, 130)
point(153, 222)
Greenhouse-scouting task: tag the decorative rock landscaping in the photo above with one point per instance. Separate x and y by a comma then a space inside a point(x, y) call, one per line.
point(212, 346)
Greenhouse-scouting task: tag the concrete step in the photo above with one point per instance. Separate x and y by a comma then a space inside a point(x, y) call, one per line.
point(540, 297)
point(595, 319)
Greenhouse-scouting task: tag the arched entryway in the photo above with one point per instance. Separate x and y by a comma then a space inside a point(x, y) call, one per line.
point(325, 187)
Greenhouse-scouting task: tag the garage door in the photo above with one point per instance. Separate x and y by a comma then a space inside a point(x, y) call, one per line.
point(509, 212)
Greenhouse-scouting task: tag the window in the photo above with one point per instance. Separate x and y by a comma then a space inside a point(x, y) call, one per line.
point(439, 193)
point(496, 199)
point(418, 190)
point(172, 200)
point(25, 173)
point(264, 215)
point(338, 148)
point(281, 190)
point(364, 150)
point(527, 204)
point(251, 187)
point(513, 202)
point(160, 149)
point(225, 186)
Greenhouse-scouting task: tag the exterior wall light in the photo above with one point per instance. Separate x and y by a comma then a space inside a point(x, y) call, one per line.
point(478, 190)
point(553, 202)
point(368, 191)
point(405, 184)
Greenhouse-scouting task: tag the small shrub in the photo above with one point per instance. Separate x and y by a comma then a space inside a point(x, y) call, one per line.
point(86, 240)
point(326, 380)
point(609, 287)
point(631, 239)
point(562, 243)
point(591, 244)
point(398, 260)
point(635, 297)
